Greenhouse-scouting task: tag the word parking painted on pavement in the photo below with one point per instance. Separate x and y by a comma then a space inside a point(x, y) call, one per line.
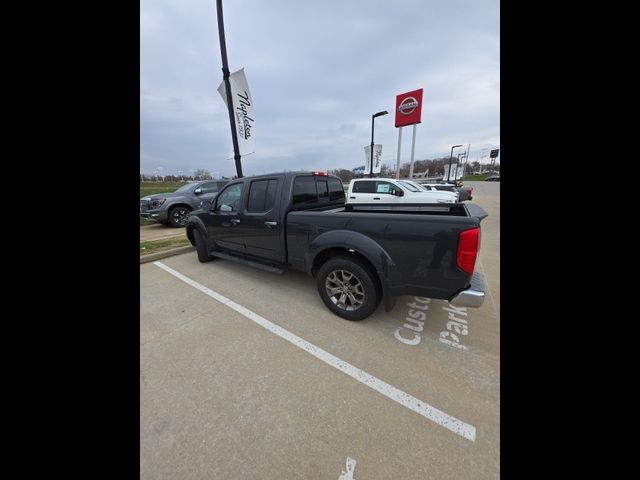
point(455, 326)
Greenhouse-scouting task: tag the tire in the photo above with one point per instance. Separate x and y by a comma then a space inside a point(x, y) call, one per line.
point(362, 295)
point(201, 247)
point(178, 216)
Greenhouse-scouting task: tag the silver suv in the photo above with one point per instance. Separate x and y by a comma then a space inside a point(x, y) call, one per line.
point(173, 208)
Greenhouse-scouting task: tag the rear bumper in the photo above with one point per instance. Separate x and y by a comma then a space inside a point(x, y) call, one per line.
point(473, 296)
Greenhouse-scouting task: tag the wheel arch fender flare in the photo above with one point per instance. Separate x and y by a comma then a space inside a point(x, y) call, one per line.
point(354, 242)
point(195, 223)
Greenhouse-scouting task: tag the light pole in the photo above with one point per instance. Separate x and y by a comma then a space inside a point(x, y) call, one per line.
point(379, 114)
point(450, 158)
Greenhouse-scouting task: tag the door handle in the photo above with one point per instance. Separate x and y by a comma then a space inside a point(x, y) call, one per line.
point(376, 198)
point(271, 224)
point(235, 220)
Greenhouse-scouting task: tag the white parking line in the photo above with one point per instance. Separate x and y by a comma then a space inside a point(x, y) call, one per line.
point(412, 403)
point(351, 466)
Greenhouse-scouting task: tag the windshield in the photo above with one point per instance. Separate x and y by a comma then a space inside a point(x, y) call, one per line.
point(420, 186)
point(187, 188)
point(410, 186)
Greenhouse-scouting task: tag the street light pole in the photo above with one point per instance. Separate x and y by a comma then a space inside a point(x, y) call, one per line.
point(384, 112)
point(450, 158)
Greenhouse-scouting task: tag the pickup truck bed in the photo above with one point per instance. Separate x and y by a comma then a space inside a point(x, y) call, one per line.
point(421, 238)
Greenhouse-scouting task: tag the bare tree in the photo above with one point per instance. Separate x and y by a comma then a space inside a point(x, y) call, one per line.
point(202, 174)
point(345, 175)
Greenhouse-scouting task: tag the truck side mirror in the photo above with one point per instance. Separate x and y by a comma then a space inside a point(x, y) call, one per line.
point(397, 192)
point(198, 191)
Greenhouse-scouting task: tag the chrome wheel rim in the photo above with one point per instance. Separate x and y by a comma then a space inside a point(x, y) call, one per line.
point(345, 290)
point(180, 216)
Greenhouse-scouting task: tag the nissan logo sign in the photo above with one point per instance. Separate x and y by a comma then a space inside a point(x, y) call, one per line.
point(408, 105)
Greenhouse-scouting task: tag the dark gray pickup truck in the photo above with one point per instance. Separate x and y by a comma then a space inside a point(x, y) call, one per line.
point(359, 254)
point(173, 208)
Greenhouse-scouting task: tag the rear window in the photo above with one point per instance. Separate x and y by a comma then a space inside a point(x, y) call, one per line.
point(308, 190)
point(323, 190)
point(336, 190)
point(304, 190)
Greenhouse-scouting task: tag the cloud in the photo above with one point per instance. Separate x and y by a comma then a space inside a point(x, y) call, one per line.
point(317, 71)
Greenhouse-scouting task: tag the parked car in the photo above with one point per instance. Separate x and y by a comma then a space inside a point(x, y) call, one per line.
point(464, 193)
point(492, 178)
point(359, 254)
point(173, 208)
point(387, 190)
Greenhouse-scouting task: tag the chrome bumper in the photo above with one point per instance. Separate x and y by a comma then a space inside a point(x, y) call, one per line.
point(473, 296)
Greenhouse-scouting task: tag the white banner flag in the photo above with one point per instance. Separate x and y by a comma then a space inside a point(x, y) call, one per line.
point(377, 158)
point(456, 172)
point(242, 110)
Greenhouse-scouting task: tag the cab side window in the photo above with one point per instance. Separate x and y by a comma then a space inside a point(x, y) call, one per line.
point(229, 200)
point(262, 195)
point(365, 186)
point(209, 187)
point(383, 187)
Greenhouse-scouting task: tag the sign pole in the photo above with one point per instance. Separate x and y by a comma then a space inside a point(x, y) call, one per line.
point(399, 145)
point(413, 149)
point(408, 112)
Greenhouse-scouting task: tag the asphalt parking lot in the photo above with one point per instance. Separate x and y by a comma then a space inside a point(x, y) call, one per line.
point(245, 374)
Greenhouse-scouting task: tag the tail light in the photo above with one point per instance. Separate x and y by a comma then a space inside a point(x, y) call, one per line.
point(321, 174)
point(468, 247)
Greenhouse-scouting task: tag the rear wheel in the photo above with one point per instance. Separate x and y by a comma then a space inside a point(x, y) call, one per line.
point(201, 247)
point(348, 287)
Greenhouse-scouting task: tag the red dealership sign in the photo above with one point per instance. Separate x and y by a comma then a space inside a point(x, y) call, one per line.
point(408, 108)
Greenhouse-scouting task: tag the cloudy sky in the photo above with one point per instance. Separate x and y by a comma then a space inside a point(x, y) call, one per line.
point(317, 71)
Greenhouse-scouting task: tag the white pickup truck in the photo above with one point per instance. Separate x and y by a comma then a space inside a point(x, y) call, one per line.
point(388, 190)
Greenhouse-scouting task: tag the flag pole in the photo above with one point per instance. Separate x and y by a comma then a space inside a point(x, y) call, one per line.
point(227, 86)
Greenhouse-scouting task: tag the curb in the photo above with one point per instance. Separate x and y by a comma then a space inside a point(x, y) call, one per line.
point(167, 253)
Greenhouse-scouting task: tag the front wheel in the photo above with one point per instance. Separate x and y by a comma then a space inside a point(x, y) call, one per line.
point(178, 216)
point(201, 247)
point(347, 287)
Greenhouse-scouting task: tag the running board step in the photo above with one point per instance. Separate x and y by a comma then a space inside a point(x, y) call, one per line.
point(244, 261)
